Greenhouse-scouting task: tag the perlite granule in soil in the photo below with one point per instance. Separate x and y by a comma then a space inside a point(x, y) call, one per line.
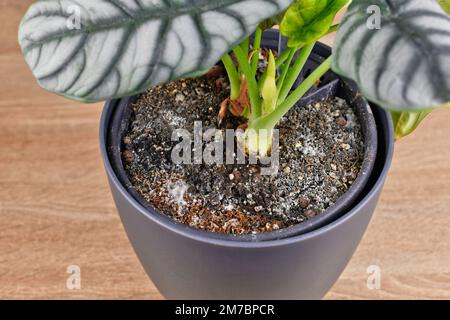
point(321, 153)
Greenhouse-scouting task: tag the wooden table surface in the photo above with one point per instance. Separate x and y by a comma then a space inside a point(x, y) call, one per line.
point(56, 209)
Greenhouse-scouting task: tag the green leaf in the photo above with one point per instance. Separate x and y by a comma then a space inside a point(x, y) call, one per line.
point(403, 65)
point(269, 87)
point(406, 122)
point(122, 47)
point(445, 4)
point(308, 20)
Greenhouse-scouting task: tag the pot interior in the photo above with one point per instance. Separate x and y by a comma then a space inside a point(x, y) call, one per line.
point(331, 86)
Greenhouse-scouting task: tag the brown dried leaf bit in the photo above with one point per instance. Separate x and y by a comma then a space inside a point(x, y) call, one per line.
point(235, 107)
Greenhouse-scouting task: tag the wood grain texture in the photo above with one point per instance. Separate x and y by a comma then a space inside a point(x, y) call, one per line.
point(56, 209)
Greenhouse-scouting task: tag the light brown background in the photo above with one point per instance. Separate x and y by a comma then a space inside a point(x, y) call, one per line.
point(56, 209)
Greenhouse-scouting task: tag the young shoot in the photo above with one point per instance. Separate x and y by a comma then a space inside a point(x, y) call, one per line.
point(268, 97)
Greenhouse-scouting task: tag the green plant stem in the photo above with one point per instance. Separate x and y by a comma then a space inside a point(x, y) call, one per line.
point(252, 85)
point(269, 121)
point(279, 60)
point(245, 45)
point(285, 69)
point(294, 72)
point(233, 76)
point(256, 47)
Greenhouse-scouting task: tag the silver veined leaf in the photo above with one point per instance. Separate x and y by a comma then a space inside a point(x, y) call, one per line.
point(96, 50)
point(403, 65)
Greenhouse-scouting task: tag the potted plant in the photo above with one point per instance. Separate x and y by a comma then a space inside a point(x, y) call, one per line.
point(286, 234)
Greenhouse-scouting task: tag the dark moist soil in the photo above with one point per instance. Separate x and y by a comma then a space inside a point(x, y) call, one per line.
point(321, 152)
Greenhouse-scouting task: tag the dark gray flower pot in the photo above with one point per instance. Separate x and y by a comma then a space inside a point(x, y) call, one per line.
point(185, 263)
point(330, 85)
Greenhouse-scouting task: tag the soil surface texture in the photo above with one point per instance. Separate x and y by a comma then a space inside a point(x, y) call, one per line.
point(321, 153)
